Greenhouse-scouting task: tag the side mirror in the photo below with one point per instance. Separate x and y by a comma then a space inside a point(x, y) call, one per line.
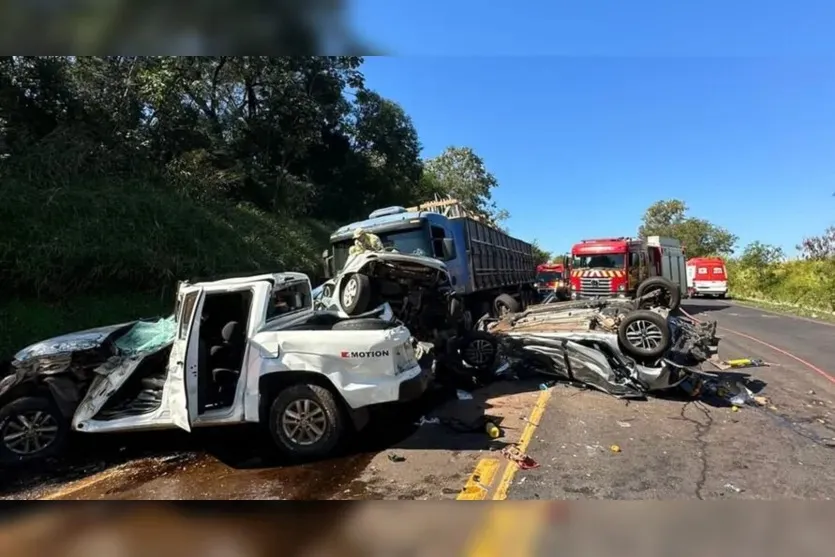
point(448, 249)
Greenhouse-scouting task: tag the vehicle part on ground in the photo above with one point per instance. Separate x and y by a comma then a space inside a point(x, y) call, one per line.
point(505, 304)
point(306, 422)
point(644, 334)
point(581, 342)
point(658, 291)
point(31, 428)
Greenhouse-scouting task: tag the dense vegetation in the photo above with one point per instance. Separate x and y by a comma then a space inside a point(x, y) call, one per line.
point(121, 175)
point(759, 272)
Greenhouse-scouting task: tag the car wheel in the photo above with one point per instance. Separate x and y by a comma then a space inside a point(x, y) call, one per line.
point(31, 428)
point(355, 295)
point(479, 350)
point(669, 294)
point(644, 334)
point(505, 304)
point(306, 422)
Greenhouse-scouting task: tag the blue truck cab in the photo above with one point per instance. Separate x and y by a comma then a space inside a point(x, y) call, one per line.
point(491, 271)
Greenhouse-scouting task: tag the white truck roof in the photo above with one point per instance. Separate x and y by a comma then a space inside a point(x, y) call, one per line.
point(662, 241)
point(278, 278)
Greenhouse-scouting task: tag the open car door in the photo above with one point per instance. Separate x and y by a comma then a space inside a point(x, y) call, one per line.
point(181, 385)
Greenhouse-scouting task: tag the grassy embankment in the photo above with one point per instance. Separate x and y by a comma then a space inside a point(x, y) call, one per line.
point(96, 252)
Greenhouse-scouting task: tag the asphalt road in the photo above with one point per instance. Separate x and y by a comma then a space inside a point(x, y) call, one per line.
point(590, 445)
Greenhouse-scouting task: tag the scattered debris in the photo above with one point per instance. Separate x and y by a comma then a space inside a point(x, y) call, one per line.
point(734, 408)
point(615, 448)
point(492, 430)
point(525, 462)
point(463, 395)
point(744, 362)
point(396, 457)
point(733, 488)
point(624, 424)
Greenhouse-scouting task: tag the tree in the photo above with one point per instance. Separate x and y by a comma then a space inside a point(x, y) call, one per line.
point(760, 255)
point(540, 255)
point(460, 173)
point(818, 248)
point(698, 236)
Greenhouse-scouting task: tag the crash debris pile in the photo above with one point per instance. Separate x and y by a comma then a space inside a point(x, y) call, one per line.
point(609, 345)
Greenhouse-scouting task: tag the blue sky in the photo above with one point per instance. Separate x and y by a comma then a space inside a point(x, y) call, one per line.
point(588, 115)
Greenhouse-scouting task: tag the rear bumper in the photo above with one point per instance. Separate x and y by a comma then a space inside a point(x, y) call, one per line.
point(413, 388)
point(709, 290)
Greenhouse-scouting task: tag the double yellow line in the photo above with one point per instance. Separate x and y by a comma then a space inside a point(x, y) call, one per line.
point(511, 528)
point(479, 486)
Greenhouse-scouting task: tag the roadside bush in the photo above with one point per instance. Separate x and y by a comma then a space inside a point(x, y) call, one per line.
point(800, 283)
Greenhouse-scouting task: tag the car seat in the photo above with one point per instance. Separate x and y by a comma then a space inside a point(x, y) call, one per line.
point(225, 358)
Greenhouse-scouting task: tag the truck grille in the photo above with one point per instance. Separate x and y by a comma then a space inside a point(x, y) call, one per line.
point(593, 286)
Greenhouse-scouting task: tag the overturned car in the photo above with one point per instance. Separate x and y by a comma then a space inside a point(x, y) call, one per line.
point(246, 349)
point(617, 346)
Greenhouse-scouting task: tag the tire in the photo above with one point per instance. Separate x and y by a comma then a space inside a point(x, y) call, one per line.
point(505, 303)
point(355, 294)
point(644, 334)
point(671, 296)
point(30, 408)
point(293, 398)
point(362, 324)
point(721, 296)
point(479, 350)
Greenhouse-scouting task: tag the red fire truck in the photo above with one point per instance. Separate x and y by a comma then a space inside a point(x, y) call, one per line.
point(551, 278)
point(607, 267)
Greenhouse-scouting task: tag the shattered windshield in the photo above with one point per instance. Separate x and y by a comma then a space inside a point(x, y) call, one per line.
point(607, 261)
point(412, 242)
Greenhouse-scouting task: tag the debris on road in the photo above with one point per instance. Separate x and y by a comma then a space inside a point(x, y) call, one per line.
point(733, 488)
point(428, 421)
point(615, 448)
point(396, 457)
point(514, 454)
point(492, 430)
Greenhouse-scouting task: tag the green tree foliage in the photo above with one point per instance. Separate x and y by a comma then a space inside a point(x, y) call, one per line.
point(122, 174)
point(540, 255)
point(699, 237)
point(460, 173)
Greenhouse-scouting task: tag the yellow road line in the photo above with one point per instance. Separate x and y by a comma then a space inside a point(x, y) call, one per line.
point(479, 482)
point(527, 434)
point(509, 529)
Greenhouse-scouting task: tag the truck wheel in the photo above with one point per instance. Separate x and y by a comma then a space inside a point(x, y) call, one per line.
point(355, 295)
point(479, 350)
point(31, 428)
point(504, 304)
point(669, 295)
point(306, 422)
point(644, 334)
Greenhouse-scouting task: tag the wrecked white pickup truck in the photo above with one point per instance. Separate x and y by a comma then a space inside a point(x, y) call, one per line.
point(609, 345)
point(249, 349)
